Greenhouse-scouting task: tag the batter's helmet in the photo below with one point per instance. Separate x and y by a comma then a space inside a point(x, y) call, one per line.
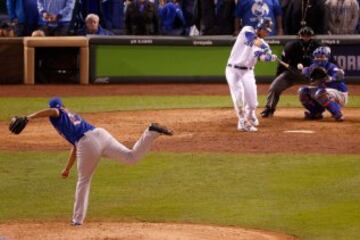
point(306, 31)
point(265, 24)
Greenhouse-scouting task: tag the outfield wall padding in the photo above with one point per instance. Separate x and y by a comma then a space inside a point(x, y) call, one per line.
point(164, 59)
point(194, 59)
point(134, 59)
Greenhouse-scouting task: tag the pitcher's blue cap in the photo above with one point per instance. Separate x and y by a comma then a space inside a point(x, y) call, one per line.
point(55, 103)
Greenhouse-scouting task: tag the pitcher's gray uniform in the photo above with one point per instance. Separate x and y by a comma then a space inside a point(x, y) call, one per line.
point(89, 144)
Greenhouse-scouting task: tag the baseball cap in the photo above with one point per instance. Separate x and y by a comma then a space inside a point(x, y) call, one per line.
point(55, 102)
point(306, 31)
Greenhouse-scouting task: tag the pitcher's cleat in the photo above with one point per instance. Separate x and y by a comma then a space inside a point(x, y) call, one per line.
point(155, 127)
point(75, 224)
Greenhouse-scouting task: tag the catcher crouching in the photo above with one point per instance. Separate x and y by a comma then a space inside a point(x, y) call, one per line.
point(327, 89)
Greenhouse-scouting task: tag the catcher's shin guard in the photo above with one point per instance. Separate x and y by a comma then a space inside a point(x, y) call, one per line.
point(306, 99)
point(323, 98)
point(304, 93)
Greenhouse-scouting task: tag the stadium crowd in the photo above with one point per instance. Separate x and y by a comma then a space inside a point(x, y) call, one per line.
point(175, 17)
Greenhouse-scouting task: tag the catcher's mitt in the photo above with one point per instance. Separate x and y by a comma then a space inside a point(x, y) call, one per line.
point(17, 124)
point(318, 76)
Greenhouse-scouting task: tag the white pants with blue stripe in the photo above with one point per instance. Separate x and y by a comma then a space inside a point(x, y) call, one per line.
point(90, 148)
point(243, 91)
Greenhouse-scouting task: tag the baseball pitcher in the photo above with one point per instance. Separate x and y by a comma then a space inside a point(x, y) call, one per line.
point(248, 48)
point(89, 143)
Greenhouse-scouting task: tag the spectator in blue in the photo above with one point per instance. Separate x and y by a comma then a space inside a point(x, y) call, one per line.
point(91, 6)
point(92, 26)
point(56, 16)
point(171, 17)
point(113, 14)
point(25, 22)
point(248, 12)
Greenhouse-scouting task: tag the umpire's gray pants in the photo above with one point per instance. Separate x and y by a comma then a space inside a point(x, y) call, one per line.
point(282, 82)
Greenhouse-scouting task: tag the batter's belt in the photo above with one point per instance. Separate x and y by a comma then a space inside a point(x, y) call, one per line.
point(239, 67)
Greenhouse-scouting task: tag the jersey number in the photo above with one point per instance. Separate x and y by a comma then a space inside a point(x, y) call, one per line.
point(76, 120)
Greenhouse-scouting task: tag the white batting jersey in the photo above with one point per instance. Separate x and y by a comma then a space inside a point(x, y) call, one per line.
point(244, 53)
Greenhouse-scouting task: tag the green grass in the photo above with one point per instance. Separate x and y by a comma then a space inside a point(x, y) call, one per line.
point(21, 106)
point(311, 196)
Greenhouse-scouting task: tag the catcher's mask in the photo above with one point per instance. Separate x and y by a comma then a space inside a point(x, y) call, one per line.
point(321, 56)
point(55, 103)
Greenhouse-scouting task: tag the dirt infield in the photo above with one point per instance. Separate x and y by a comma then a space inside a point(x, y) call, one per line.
point(196, 130)
point(132, 231)
point(208, 130)
point(131, 89)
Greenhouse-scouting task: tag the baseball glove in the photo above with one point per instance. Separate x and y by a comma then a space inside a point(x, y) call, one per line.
point(17, 124)
point(318, 76)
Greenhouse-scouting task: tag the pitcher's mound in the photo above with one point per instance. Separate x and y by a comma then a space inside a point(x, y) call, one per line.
point(131, 231)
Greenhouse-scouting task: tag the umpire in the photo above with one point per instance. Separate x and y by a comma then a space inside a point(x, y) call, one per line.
point(295, 52)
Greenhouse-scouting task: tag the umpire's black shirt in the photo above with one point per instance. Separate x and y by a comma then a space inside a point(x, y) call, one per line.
point(296, 52)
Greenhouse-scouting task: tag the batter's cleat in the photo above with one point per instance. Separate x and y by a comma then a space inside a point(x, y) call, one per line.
point(240, 124)
point(155, 127)
point(254, 121)
point(268, 112)
point(75, 224)
point(245, 126)
point(312, 116)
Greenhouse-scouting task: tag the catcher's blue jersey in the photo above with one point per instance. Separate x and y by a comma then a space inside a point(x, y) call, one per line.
point(71, 126)
point(332, 71)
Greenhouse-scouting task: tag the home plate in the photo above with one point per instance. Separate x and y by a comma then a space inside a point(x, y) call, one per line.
point(299, 131)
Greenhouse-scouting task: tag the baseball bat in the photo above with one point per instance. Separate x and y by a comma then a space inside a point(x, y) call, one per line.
point(283, 63)
point(290, 69)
